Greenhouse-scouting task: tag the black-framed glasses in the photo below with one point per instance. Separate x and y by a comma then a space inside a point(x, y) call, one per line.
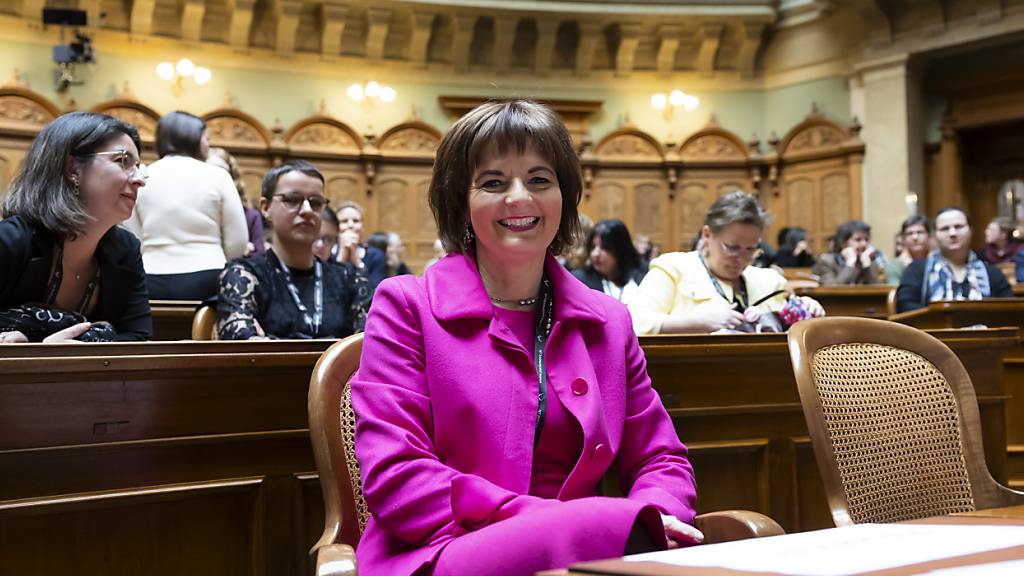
point(737, 250)
point(294, 201)
point(127, 162)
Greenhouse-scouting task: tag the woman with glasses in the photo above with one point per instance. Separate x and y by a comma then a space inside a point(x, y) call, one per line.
point(191, 220)
point(67, 271)
point(716, 288)
point(288, 292)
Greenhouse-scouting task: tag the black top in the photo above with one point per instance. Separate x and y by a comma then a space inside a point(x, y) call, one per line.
point(786, 259)
point(909, 293)
point(592, 278)
point(26, 259)
point(254, 290)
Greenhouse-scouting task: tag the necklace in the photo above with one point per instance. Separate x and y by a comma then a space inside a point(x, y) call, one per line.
point(522, 302)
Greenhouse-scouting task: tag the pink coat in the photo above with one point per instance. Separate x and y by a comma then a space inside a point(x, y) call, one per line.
point(445, 431)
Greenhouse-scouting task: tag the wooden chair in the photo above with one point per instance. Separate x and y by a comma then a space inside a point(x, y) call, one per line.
point(332, 429)
point(890, 301)
point(204, 323)
point(893, 421)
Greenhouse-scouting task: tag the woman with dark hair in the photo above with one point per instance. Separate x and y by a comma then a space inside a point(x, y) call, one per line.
point(614, 266)
point(67, 271)
point(915, 241)
point(953, 271)
point(716, 287)
point(856, 262)
point(190, 221)
point(288, 292)
point(495, 392)
point(793, 251)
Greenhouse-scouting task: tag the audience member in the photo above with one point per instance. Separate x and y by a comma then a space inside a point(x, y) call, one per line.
point(648, 250)
point(793, 250)
point(221, 158)
point(350, 246)
point(288, 292)
point(190, 220)
point(914, 242)
point(614, 266)
point(576, 256)
point(69, 272)
point(325, 246)
point(1000, 245)
point(456, 455)
point(856, 262)
point(953, 272)
point(439, 253)
point(391, 244)
point(716, 288)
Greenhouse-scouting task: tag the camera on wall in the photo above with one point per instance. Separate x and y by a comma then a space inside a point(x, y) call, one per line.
point(67, 56)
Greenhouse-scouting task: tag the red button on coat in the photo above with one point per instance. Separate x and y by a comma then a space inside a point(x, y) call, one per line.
point(599, 452)
point(579, 387)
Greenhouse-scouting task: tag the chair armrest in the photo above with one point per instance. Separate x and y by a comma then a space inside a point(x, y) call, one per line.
point(729, 525)
point(336, 560)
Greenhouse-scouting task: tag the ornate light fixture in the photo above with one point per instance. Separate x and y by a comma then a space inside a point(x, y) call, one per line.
point(370, 92)
point(674, 99)
point(185, 68)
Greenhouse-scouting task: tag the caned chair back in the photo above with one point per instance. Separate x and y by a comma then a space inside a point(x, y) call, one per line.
point(204, 323)
point(332, 429)
point(893, 421)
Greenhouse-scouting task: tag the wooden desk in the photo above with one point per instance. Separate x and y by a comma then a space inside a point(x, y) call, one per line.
point(862, 301)
point(172, 319)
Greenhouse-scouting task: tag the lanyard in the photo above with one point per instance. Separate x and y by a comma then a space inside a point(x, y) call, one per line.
point(543, 330)
point(318, 295)
point(739, 296)
point(58, 276)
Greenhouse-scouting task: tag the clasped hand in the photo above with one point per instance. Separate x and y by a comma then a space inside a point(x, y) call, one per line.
point(678, 532)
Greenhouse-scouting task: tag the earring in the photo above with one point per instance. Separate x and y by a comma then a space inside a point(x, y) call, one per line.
point(467, 237)
point(74, 182)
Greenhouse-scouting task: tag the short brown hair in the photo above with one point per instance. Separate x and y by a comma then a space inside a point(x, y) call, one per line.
point(736, 208)
point(508, 125)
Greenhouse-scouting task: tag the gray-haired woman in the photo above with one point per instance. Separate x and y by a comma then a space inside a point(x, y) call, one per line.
point(715, 287)
point(62, 257)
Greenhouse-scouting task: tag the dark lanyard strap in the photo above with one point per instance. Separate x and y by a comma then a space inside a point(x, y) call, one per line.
point(58, 276)
point(739, 296)
point(318, 295)
point(543, 330)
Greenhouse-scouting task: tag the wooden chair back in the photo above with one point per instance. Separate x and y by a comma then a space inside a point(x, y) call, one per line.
point(890, 301)
point(204, 323)
point(332, 430)
point(893, 420)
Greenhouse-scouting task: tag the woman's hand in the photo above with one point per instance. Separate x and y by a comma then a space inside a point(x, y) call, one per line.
point(849, 254)
point(714, 318)
point(678, 532)
point(69, 334)
point(800, 248)
point(13, 337)
point(813, 306)
point(348, 248)
point(867, 256)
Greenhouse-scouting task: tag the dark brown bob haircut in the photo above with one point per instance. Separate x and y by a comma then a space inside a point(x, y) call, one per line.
point(178, 134)
point(512, 125)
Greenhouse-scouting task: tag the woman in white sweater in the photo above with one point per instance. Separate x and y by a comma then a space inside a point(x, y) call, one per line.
point(190, 220)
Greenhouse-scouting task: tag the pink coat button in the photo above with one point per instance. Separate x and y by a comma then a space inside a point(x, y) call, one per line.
point(599, 452)
point(579, 387)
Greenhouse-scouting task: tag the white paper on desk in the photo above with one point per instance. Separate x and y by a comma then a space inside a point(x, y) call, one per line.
point(1010, 568)
point(843, 551)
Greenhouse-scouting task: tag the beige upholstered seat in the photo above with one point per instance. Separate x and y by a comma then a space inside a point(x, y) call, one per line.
point(893, 420)
point(332, 429)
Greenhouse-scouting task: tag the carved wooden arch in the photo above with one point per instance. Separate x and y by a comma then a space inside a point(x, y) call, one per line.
point(629, 144)
point(714, 144)
point(135, 113)
point(22, 110)
point(323, 134)
point(412, 138)
point(817, 135)
point(232, 128)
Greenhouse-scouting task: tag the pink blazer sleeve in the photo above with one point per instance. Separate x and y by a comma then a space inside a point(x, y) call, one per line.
point(409, 491)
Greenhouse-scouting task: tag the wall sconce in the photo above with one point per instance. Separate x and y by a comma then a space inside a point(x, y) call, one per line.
point(370, 92)
point(175, 73)
point(674, 99)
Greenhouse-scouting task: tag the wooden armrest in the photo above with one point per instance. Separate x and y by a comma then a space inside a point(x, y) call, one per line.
point(729, 525)
point(336, 560)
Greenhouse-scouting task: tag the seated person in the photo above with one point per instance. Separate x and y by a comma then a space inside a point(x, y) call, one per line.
point(715, 287)
point(288, 292)
point(350, 247)
point(614, 267)
point(953, 272)
point(915, 241)
point(793, 251)
point(390, 243)
point(61, 251)
point(495, 392)
point(857, 262)
point(1000, 245)
point(325, 246)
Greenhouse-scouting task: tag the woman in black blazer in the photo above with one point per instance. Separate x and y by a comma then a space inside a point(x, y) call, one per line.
point(67, 271)
point(614, 266)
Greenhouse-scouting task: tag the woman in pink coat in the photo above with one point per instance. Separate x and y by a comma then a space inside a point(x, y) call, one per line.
point(494, 393)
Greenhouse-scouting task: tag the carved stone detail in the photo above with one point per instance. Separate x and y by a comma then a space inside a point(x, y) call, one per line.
point(144, 123)
point(410, 140)
point(22, 111)
point(227, 130)
point(816, 137)
point(628, 145)
point(325, 137)
point(711, 146)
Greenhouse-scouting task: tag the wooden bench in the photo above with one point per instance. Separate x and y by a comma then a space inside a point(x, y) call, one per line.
point(172, 319)
point(862, 301)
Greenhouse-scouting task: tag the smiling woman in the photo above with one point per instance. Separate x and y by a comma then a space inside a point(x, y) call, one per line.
point(62, 256)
